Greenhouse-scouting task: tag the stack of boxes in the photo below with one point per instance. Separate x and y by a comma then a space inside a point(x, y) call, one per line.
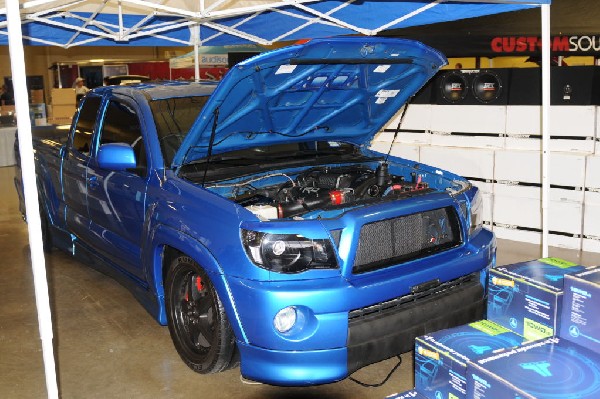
point(497, 147)
point(37, 107)
point(541, 339)
point(64, 104)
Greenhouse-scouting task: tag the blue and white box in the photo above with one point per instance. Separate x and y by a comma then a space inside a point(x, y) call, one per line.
point(580, 320)
point(551, 368)
point(412, 394)
point(526, 297)
point(441, 357)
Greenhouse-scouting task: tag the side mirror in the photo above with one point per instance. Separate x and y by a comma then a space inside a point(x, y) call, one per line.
point(116, 156)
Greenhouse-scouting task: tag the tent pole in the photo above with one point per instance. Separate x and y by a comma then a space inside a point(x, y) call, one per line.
point(38, 262)
point(545, 12)
point(196, 30)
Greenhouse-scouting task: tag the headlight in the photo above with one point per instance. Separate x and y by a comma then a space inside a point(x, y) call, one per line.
point(476, 215)
point(288, 253)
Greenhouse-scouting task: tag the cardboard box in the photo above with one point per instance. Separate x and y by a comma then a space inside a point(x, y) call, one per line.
point(36, 96)
point(412, 394)
point(5, 109)
point(37, 114)
point(63, 97)
point(581, 303)
point(526, 297)
point(441, 357)
point(60, 121)
point(63, 111)
point(546, 369)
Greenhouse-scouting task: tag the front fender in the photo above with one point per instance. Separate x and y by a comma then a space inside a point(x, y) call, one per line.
point(161, 236)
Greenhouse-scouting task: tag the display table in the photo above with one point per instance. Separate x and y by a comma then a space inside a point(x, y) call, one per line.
point(7, 142)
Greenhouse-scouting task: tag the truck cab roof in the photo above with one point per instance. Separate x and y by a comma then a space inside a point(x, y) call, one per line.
point(164, 89)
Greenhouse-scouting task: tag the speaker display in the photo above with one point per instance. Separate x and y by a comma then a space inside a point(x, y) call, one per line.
point(575, 85)
point(569, 85)
point(525, 87)
point(454, 87)
point(473, 87)
point(487, 87)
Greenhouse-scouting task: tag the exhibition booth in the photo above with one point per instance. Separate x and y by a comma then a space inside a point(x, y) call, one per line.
point(526, 137)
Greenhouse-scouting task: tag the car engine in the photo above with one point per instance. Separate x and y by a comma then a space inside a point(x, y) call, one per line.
point(324, 188)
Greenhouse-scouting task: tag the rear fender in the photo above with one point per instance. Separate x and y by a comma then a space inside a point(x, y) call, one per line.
point(162, 236)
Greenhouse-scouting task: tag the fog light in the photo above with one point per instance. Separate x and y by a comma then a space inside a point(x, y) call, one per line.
point(285, 319)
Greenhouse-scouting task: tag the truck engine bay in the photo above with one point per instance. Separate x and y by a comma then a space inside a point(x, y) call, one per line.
point(309, 193)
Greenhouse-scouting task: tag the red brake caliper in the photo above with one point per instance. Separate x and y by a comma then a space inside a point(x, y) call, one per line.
point(199, 287)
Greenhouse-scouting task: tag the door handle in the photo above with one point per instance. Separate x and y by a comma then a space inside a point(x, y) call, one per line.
point(93, 181)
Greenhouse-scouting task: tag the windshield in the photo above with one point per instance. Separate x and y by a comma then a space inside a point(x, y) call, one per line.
point(173, 118)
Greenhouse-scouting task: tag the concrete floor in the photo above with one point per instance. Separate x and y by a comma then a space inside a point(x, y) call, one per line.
point(107, 346)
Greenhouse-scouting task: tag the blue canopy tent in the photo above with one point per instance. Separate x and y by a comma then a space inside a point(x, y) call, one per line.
point(210, 22)
point(223, 22)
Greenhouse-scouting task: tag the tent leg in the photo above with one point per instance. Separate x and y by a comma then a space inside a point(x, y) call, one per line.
point(38, 262)
point(545, 11)
point(196, 32)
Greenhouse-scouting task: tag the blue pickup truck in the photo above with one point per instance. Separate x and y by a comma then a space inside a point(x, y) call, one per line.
point(253, 220)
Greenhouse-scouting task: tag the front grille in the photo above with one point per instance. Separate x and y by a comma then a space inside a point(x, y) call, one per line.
point(393, 241)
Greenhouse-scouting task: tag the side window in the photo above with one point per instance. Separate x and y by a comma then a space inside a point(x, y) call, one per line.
point(122, 125)
point(82, 137)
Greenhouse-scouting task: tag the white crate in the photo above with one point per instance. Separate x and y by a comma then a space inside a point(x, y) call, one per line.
point(488, 207)
point(592, 198)
point(566, 217)
point(484, 187)
point(467, 162)
point(517, 211)
point(566, 169)
point(417, 117)
point(414, 138)
point(590, 245)
point(587, 146)
point(523, 120)
point(406, 151)
point(380, 146)
point(535, 192)
point(518, 166)
point(383, 137)
point(565, 120)
point(404, 137)
point(560, 241)
point(521, 206)
point(592, 171)
point(468, 118)
point(591, 215)
point(456, 140)
point(534, 237)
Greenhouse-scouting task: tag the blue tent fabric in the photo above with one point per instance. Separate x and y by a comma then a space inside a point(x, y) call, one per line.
point(286, 22)
point(368, 15)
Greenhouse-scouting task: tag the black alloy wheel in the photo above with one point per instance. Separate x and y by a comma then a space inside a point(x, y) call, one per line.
point(197, 320)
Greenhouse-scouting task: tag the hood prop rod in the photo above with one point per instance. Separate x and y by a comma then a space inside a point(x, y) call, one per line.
point(397, 129)
point(211, 142)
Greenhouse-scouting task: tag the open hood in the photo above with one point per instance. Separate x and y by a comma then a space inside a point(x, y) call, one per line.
point(337, 89)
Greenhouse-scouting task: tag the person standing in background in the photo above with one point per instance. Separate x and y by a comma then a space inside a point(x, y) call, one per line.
point(80, 89)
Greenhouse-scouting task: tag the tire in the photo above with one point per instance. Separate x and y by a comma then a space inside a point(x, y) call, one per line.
point(196, 317)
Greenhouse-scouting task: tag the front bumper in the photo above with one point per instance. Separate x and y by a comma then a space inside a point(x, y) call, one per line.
point(340, 332)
